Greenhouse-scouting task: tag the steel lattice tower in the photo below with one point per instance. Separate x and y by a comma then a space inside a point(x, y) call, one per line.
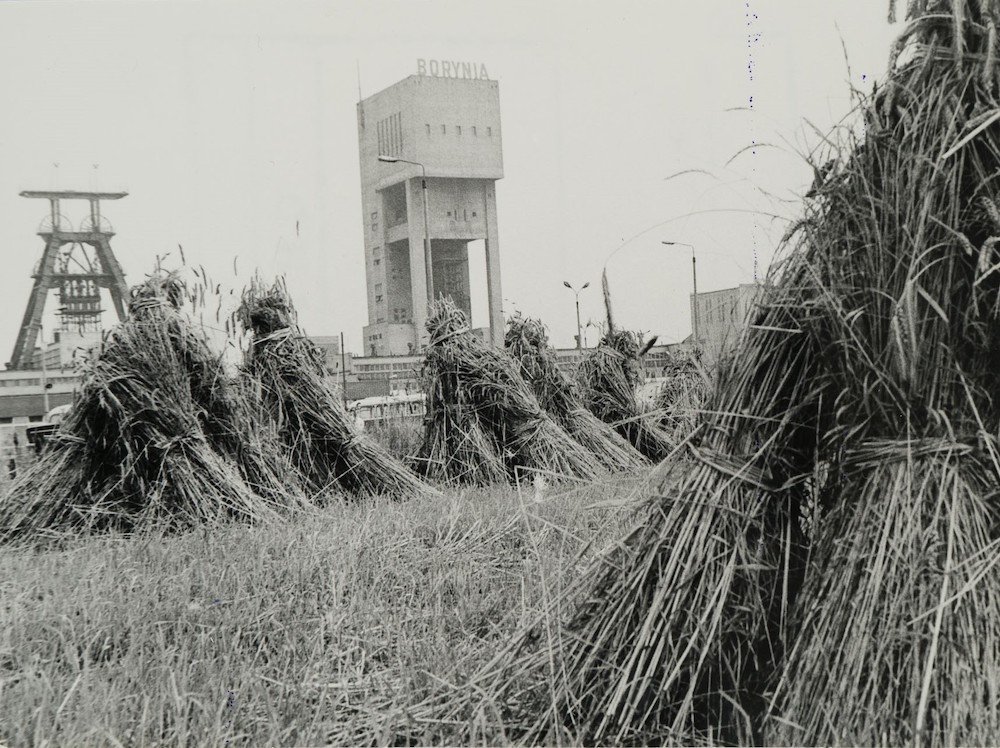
point(78, 263)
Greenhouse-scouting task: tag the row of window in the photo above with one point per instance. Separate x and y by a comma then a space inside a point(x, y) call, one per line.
point(36, 381)
point(390, 135)
point(385, 367)
point(377, 376)
point(457, 129)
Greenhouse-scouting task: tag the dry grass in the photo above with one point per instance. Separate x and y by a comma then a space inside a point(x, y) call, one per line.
point(300, 633)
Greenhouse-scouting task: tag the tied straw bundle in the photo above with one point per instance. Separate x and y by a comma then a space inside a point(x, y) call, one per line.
point(483, 422)
point(527, 342)
point(826, 572)
point(150, 437)
point(609, 379)
point(895, 636)
point(678, 399)
point(284, 371)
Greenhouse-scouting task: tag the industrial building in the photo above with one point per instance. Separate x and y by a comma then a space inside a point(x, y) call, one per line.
point(430, 154)
point(721, 317)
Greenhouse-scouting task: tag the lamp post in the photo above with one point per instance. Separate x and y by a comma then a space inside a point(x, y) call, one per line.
point(579, 330)
point(694, 284)
point(427, 237)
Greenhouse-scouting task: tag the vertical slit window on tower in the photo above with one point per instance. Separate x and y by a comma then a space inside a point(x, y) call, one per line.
point(444, 129)
point(428, 130)
point(489, 132)
point(474, 133)
point(458, 130)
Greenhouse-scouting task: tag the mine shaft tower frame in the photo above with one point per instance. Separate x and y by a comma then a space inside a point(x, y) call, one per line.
point(51, 274)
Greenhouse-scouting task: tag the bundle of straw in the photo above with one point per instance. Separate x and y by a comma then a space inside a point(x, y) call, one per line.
point(609, 379)
point(899, 607)
point(679, 397)
point(528, 343)
point(825, 572)
point(284, 371)
point(225, 405)
point(678, 626)
point(133, 448)
point(483, 420)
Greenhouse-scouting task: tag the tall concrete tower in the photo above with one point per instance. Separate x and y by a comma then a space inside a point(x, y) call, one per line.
point(439, 137)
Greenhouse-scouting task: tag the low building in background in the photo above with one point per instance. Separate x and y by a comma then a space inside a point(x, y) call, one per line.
point(26, 395)
point(401, 372)
point(332, 359)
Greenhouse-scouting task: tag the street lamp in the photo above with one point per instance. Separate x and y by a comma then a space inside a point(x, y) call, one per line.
point(579, 330)
point(427, 237)
point(694, 283)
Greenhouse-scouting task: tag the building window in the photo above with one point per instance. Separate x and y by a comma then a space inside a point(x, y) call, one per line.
point(474, 133)
point(378, 299)
point(458, 130)
point(444, 129)
point(473, 214)
point(489, 132)
point(377, 262)
point(428, 130)
point(390, 135)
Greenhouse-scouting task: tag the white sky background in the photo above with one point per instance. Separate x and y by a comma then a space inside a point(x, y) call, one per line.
point(229, 122)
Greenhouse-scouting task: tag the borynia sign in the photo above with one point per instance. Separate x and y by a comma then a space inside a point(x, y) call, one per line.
point(452, 69)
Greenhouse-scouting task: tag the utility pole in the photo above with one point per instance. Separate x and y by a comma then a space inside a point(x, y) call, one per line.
point(343, 370)
point(45, 383)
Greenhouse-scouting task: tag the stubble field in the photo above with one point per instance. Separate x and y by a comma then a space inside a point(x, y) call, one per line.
point(301, 633)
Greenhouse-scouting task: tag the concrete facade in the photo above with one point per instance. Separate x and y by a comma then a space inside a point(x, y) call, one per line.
point(69, 347)
point(722, 316)
point(452, 127)
point(23, 393)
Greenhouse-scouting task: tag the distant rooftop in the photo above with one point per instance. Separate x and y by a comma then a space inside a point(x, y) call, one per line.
point(73, 195)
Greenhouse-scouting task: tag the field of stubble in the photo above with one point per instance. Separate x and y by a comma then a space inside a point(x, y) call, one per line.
point(301, 633)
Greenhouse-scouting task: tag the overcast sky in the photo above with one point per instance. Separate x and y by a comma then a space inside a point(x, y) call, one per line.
point(230, 124)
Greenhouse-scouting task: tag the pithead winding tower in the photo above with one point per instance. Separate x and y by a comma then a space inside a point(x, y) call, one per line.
point(79, 263)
